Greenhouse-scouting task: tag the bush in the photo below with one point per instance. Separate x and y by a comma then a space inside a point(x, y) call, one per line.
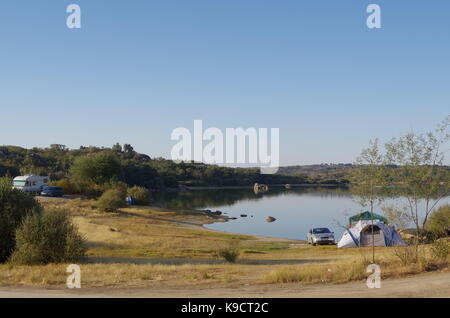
point(118, 185)
point(140, 194)
point(67, 186)
point(439, 221)
point(14, 206)
point(48, 237)
point(92, 190)
point(440, 250)
point(406, 254)
point(112, 199)
point(231, 252)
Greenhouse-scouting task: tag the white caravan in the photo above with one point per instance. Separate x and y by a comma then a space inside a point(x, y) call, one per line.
point(30, 183)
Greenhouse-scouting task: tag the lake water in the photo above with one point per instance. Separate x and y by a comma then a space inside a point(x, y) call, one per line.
point(296, 210)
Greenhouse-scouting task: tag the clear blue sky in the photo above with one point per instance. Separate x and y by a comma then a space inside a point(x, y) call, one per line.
point(138, 69)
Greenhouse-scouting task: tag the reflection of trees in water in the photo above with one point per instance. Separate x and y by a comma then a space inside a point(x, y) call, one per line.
point(198, 199)
point(322, 192)
point(225, 197)
point(203, 198)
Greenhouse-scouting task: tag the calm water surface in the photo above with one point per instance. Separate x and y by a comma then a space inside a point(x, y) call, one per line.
point(296, 210)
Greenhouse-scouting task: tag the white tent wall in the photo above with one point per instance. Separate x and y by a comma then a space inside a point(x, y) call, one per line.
point(387, 235)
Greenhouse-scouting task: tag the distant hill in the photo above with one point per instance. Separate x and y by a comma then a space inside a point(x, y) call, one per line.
point(318, 169)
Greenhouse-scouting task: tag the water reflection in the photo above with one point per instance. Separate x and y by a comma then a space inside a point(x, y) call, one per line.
point(296, 210)
point(200, 199)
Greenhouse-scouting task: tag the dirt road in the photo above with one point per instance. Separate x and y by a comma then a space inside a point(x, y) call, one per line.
point(426, 285)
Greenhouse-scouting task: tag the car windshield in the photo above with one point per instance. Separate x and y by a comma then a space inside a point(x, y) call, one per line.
point(321, 230)
point(52, 188)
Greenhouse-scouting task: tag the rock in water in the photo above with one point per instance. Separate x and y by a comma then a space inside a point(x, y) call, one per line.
point(243, 215)
point(270, 219)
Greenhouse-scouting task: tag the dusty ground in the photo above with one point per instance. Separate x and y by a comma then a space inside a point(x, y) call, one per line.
point(426, 285)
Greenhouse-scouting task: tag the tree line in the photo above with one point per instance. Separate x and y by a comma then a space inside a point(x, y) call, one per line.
point(91, 167)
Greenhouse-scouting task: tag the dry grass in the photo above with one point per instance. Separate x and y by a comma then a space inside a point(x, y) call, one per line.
point(330, 273)
point(144, 232)
point(121, 275)
point(201, 273)
point(139, 247)
point(353, 267)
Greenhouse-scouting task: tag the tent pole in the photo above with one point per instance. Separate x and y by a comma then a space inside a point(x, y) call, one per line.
point(373, 235)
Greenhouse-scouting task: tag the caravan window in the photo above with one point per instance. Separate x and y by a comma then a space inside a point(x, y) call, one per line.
point(19, 183)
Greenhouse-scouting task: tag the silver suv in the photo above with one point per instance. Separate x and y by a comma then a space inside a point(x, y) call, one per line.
point(320, 235)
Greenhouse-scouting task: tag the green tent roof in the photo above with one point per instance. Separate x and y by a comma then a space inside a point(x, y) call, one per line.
point(367, 216)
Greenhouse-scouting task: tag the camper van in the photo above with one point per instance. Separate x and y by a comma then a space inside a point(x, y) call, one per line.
point(30, 183)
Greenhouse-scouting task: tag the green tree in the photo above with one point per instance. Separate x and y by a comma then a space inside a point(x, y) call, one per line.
point(14, 206)
point(128, 151)
point(439, 221)
point(117, 148)
point(419, 170)
point(100, 168)
point(367, 178)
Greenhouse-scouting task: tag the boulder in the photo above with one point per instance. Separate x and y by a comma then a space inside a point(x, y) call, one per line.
point(270, 219)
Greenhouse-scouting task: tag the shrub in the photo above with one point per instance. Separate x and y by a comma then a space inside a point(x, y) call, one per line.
point(118, 185)
point(406, 254)
point(86, 188)
point(440, 249)
point(48, 237)
point(67, 186)
point(14, 206)
point(140, 194)
point(439, 221)
point(231, 252)
point(111, 200)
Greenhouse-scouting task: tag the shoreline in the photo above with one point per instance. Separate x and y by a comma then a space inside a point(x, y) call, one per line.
point(225, 218)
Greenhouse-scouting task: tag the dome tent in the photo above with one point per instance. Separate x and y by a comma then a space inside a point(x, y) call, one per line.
point(360, 234)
